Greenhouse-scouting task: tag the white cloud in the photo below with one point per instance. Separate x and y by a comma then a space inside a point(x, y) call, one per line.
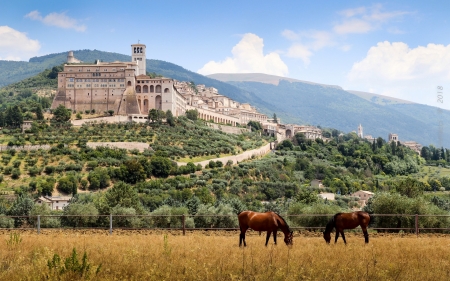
point(300, 51)
point(397, 70)
point(15, 45)
point(365, 19)
point(346, 47)
point(348, 13)
point(353, 26)
point(304, 43)
point(290, 35)
point(248, 57)
point(58, 20)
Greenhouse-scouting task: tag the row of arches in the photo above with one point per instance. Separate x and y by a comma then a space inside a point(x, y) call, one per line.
point(146, 89)
point(144, 104)
point(207, 117)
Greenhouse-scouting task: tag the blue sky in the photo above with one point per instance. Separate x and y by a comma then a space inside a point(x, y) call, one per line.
point(395, 48)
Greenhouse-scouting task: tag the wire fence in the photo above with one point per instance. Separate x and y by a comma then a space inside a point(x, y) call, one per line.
point(408, 223)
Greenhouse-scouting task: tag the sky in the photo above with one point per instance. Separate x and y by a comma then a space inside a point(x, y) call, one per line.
point(395, 48)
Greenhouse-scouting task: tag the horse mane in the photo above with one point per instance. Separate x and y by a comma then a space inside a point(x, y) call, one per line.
point(331, 224)
point(283, 221)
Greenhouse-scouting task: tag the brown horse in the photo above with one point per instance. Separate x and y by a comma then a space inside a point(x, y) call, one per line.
point(343, 221)
point(268, 221)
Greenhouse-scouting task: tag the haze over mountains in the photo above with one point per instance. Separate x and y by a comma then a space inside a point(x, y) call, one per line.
point(294, 101)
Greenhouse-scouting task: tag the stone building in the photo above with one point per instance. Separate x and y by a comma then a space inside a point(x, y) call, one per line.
point(392, 137)
point(122, 87)
point(310, 132)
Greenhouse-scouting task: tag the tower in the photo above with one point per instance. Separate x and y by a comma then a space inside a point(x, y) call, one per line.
point(360, 131)
point(138, 55)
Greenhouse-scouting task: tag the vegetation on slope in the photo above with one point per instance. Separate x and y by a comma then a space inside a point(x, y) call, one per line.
point(134, 182)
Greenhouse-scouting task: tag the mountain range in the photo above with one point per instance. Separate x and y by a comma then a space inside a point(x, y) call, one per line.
point(294, 101)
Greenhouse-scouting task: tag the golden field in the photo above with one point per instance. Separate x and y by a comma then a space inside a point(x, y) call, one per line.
point(158, 255)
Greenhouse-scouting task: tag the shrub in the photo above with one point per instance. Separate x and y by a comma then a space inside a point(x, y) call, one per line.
point(80, 215)
point(15, 174)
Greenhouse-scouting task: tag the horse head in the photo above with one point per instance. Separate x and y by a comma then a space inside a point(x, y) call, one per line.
point(327, 236)
point(289, 238)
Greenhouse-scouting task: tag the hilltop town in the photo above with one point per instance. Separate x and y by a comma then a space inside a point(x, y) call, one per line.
point(125, 89)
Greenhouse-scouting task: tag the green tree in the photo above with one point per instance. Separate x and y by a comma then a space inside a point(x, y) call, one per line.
point(275, 119)
point(80, 215)
point(98, 178)
point(22, 206)
point(39, 113)
point(192, 114)
point(124, 195)
point(67, 184)
point(169, 118)
point(256, 126)
point(161, 166)
point(61, 115)
point(132, 171)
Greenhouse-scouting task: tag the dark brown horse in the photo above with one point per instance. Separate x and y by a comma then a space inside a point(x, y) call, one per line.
point(268, 221)
point(343, 221)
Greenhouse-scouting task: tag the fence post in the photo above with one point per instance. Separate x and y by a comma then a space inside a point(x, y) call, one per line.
point(38, 224)
point(417, 224)
point(184, 225)
point(110, 224)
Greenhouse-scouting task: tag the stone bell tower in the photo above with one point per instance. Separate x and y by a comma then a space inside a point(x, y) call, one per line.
point(138, 55)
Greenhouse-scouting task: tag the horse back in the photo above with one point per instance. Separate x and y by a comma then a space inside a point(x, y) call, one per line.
point(258, 221)
point(352, 220)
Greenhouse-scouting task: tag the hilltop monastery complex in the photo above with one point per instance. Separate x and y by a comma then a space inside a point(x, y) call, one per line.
point(124, 88)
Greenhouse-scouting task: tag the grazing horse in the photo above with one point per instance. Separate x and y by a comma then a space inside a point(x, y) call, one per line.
point(268, 221)
point(343, 221)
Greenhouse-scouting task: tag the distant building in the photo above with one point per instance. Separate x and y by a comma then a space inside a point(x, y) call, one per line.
point(363, 195)
point(392, 137)
point(54, 202)
point(360, 131)
point(417, 147)
point(328, 196)
point(26, 125)
point(310, 132)
point(369, 138)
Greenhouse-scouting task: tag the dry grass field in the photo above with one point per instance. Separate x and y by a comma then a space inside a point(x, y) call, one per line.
point(161, 255)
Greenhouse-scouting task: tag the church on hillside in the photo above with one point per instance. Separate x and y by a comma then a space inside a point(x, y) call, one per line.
point(122, 87)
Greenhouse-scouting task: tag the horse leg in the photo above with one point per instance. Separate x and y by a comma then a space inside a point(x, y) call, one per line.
point(336, 236)
point(267, 237)
point(366, 235)
point(275, 237)
point(242, 238)
point(343, 236)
